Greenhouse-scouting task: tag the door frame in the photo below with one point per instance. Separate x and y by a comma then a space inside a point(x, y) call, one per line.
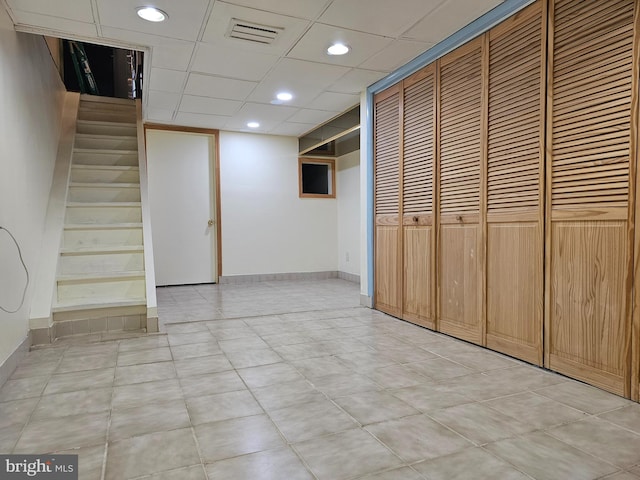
point(215, 163)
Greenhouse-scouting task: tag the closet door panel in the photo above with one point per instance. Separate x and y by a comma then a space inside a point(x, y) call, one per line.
point(387, 154)
point(461, 155)
point(515, 182)
point(418, 184)
point(588, 236)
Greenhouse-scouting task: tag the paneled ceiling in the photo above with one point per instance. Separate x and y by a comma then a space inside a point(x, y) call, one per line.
point(197, 76)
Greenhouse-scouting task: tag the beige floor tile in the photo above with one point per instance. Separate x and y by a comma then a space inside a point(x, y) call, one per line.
point(55, 434)
point(279, 338)
point(148, 372)
point(344, 384)
point(408, 354)
point(90, 461)
point(176, 339)
point(346, 455)
point(222, 406)
point(402, 473)
point(479, 387)
point(253, 358)
point(439, 369)
point(302, 351)
point(210, 384)
point(535, 410)
point(621, 476)
point(320, 367)
point(70, 382)
point(265, 375)
point(242, 344)
point(194, 472)
point(202, 365)
point(602, 439)
point(430, 397)
point(238, 436)
point(471, 463)
point(375, 406)
point(192, 327)
point(17, 411)
point(20, 388)
point(284, 395)
point(281, 463)
point(627, 417)
point(479, 423)
point(545, 458)
point(73, 403)
point(9, 437)
point(157, 417)
point(78, 362)
point(151, 453)
point(482, 361)
point(397, 376)
point(143, 343)
point(194, 350)
point(635, 471)
point(231, 333)
point(138, 394)
point(35, 369)
point(418, 438)
point(152, 355)
point(365, 362)
point(583, 397)
point(313, 419)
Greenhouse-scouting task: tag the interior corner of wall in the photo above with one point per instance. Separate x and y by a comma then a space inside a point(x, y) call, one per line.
point(42, 321)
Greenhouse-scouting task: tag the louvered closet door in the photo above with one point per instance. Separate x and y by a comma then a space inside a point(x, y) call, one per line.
point(515, 182)
point(460, 160)
point(588, 333)
point(418, 186)
point(388, 253)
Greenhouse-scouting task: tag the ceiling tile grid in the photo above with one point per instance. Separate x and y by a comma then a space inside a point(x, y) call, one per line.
point(197, 75)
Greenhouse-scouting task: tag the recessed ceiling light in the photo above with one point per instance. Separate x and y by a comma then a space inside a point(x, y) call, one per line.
point(152, 14)
point(253, 124)
point(337, 49)
point(284, 96)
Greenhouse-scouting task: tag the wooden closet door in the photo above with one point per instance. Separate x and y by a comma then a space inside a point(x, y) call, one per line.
point(461, 155)
point(388, 245)
point(589, 234)
point(418, 185)
point(515, 185)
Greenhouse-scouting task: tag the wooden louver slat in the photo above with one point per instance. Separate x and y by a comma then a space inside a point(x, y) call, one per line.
point(580, 143)
point(460, 133)
point(513, 161)
point(387, 155)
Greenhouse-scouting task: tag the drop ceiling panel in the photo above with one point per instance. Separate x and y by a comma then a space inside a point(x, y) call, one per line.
point(269, 116)
point(356, 81)
point(72, 10)
point(234, 63)
point(184, 22)
point(313, 46)
point(218, 87)
point(314, 117)
point(62, 25)
point(199, 120)
point(292, 129)
point(448, 18)
point(381, 17)
point(395, 55)
point(224, 13)
point(159, 115)
point(167, 80)
point(307, 73)
point(336, 102)
point(164, 100)
point(308, 9)
point(209, 106)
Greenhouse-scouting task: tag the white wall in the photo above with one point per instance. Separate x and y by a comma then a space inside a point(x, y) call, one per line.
point(31, 96)
point(266, 228)
point(348, 197)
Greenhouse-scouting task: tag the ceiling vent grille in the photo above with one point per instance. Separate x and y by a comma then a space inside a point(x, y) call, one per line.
point(253, 32)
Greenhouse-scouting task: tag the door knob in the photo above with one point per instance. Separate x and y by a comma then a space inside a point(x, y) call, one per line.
point(210, 223)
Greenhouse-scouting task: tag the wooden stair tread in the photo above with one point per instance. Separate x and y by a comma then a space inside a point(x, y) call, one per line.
point(104, 185)
point(99, 249)
point(102, 204)
point(105, 151)
point(106, 226)
point(83, 304)
point(101, 276)
point(111, 168)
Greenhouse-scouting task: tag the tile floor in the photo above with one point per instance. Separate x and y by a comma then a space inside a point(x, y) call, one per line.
point(293, 380)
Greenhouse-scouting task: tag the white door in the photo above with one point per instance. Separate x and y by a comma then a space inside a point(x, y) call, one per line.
point(181, 195)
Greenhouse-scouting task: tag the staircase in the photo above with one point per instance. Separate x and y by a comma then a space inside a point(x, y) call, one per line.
point(100, 282)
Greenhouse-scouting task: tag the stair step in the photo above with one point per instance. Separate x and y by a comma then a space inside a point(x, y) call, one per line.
point(71, 306)
point(100, 288)
point(100, 249)
point(88, 98)
point(85, 156)
point(103, 213)
point(100, 262)
point(106, 142)
point(106, 115)
point(104, 192)
point(95, 127)
point(111, 226)
point(104, 174)
point(125, 235)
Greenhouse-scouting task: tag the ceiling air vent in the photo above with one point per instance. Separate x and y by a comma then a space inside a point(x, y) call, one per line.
point(253, 32)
